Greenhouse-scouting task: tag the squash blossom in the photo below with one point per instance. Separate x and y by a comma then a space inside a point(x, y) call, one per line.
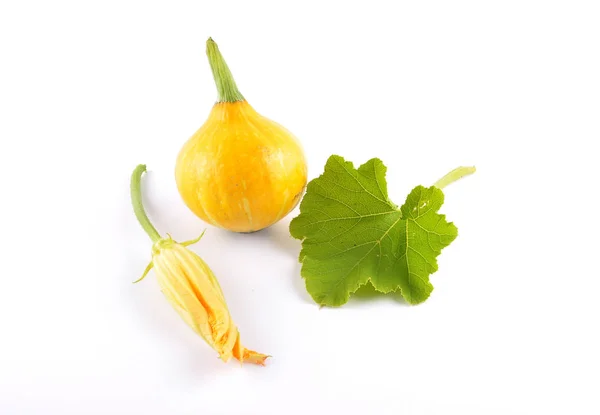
point(191, 287)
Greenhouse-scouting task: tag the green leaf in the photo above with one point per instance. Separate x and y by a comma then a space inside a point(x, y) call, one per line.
point(353, 234)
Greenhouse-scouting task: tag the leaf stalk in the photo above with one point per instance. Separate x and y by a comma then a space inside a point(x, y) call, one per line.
point(453, 176)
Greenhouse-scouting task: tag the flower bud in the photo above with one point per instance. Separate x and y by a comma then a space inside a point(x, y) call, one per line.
point(190, 286)
point(193, 290)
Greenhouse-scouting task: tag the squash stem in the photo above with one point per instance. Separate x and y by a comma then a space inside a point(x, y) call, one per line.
point(228, 91)
point(138, 207)
point(453, 176)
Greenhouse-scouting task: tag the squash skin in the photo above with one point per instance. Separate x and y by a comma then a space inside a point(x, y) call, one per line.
point(241, 171)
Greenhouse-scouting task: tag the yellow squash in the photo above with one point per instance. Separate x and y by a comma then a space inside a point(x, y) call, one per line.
point(240, 171)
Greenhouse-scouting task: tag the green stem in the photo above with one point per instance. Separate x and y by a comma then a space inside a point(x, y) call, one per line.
point(453, 176)
point(138, 207)
point(228, 91)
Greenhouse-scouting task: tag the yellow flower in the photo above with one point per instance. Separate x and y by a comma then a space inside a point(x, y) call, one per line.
point(191, 287)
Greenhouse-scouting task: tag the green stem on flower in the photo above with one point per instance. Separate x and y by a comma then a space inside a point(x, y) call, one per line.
point(228, 91)
point(138, 207)
point(453, 176)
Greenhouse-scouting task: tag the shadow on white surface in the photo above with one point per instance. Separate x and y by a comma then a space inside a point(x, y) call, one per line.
point(279, 238)
point(274, 239)
point(300, 286)
point(368, 294)
point(279, 235)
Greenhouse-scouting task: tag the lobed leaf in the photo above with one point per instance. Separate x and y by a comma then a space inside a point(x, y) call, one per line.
point(353, 234)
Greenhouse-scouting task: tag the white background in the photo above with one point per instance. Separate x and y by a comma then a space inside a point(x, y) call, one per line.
point(90, 89)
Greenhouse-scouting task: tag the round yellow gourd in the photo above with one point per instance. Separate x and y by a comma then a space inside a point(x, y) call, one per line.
point(240, 171)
